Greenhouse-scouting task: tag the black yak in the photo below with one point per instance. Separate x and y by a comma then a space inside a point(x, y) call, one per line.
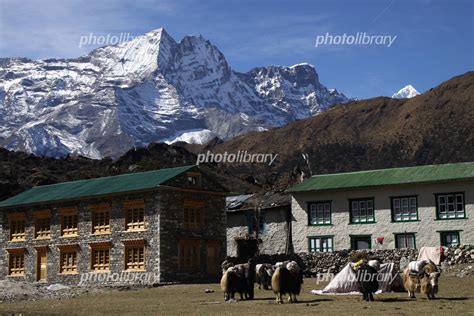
point(367, 280)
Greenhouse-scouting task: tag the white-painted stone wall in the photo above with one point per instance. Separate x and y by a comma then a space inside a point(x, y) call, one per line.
point(273, 238)
point(426, 229)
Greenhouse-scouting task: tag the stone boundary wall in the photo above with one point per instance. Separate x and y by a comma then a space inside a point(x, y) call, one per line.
point(316, 263)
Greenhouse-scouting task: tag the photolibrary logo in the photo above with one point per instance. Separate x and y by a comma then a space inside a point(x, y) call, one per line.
point(360, 275)
point(239, 157)
point(359, 38)
point(108, 39)
point(125, 277)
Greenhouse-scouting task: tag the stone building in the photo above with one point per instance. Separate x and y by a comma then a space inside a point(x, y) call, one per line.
point(159, 226)
point(258, 223)
point(381, 209)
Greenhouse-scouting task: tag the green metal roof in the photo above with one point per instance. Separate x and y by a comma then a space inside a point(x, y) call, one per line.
point(95, 187)
point(391, 176)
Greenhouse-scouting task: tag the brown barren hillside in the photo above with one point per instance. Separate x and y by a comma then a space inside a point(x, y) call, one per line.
point(432, 128)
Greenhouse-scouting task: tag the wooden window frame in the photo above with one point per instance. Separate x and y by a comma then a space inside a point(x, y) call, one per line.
point(186, 260)
point(359, 201)
point(193, 214)
point(17, 221)
point(16, 262)
point(100, 218)
point(411, 234)
point(321, 247)
point(194, 179)
point(400, 207)
point(42, 219)
point(68, 253)
point(69, 221)
point(313, 209)
point(442, 236)
point(355, 238)
point(132, 210)
point(135, 246)
point(100, 256)
point(446, 204)
point(254, 223)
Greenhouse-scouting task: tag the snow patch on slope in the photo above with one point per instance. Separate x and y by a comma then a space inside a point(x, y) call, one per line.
point(197, 136)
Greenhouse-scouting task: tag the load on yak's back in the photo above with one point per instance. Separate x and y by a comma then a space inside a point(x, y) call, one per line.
point(421, 276)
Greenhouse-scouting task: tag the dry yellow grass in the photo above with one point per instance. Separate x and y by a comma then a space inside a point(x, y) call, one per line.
point(456, 297)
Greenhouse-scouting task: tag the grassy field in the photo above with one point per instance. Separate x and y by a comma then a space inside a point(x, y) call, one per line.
point(456, 297)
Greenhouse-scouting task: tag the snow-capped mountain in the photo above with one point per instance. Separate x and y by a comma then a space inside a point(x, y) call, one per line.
point(149, 89)
point(406, 92)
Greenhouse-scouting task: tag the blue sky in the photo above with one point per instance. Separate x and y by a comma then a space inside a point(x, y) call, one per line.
point(435, 39)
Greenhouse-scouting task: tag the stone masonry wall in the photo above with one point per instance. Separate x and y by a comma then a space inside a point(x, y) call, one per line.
point(316, 263)
point(84, 238)
point(163, 230)
point(172, 231)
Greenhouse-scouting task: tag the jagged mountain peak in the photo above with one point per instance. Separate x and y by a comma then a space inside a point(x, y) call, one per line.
point(149, 89)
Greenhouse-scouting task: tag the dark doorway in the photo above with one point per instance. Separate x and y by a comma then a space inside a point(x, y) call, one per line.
point(247, 248)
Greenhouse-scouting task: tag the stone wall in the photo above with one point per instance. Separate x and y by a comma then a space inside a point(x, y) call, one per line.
point(83, 240)
point(172, 231)
point(316, 263)
point(163, 230)
point(273, 239)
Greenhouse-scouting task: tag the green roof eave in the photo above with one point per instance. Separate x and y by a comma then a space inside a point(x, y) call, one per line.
point(392, 176)
point(94, 187)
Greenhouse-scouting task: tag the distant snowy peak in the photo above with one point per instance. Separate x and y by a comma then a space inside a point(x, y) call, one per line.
point(406, 92)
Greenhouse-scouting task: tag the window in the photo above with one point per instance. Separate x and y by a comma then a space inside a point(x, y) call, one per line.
point(68, 259)
point(194, 179)
point(193, 214)
point(42, 224)
point(134, 215)
point(361, 242)
point(404, 209)
point(100, 257)
point(16, 265)
point(321, 244)
point(320, 213)
point(450, 206)
point(42, 228)
point(405, 240)
point(134, 255)
point(255, 221)
point(362, 211)
point(450, 238)
point(17, 226)
point(69, 221)
point(100, 218)
point(189, 254)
